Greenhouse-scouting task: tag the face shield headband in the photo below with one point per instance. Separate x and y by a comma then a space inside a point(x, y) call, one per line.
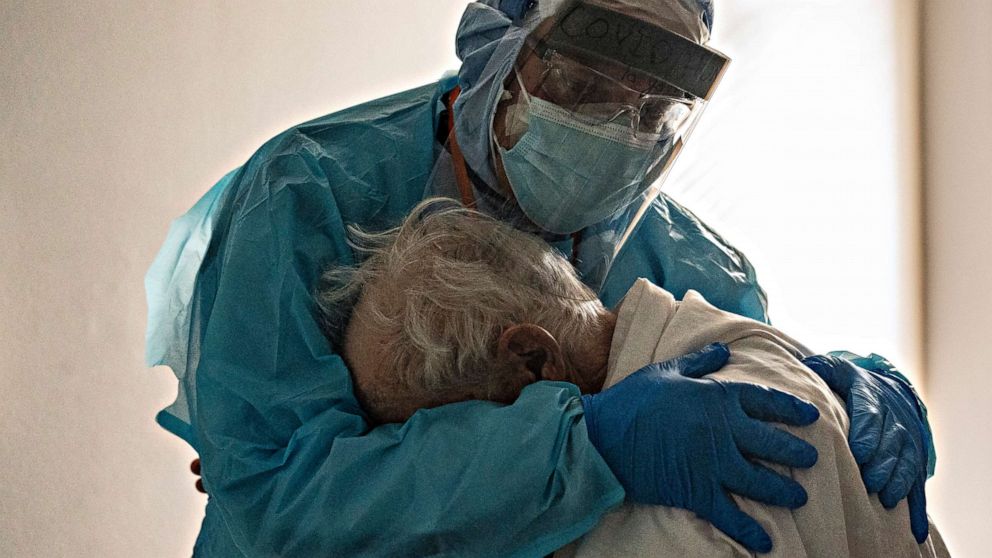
point(585, 31)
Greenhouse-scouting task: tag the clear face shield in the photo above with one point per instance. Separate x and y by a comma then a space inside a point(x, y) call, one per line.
point(614, 76)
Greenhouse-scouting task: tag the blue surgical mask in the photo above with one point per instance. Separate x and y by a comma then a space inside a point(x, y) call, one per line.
point(567, 173)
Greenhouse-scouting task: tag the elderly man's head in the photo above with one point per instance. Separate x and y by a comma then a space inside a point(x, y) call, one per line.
point(453, 305)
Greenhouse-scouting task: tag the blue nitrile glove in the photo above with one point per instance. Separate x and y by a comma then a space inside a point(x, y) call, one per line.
point(886, 437)
point(673, 438)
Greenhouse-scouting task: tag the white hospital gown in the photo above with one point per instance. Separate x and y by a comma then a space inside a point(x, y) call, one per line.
point(839, 520)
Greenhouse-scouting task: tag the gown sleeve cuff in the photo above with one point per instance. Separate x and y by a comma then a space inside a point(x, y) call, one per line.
point(877, 364)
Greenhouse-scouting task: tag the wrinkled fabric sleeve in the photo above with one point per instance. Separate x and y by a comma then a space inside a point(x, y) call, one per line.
point(287, 456)
point(169, 286)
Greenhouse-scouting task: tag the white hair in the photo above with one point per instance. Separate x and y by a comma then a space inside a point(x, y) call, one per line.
point(456, 278)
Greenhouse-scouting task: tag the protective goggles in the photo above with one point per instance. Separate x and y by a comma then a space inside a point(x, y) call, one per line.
point(645, 105)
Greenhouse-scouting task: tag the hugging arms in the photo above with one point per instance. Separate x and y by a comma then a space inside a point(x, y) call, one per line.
point(454, 306)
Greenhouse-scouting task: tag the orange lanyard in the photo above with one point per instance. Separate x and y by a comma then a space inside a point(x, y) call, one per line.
point(461, 171)
point(457, 159)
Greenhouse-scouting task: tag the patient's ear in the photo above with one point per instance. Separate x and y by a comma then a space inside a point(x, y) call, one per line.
point(529, 351)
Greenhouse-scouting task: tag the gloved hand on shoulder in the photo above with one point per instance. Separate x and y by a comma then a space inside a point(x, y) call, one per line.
point(675, 438)
point(888, 434)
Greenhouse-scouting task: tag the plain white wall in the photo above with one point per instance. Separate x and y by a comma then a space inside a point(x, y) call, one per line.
point(808, 161)
point(958, 184)
point(117, 116)
point(114, 118)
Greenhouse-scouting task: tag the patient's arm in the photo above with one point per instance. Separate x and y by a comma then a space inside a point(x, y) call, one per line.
point(840, 516)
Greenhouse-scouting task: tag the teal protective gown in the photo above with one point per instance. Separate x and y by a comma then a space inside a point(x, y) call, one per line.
point(289, 461)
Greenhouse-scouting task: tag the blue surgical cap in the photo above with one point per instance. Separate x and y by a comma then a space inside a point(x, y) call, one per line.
point(491, 34)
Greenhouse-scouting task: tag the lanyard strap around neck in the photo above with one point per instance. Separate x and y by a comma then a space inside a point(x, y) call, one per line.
point(457, 159)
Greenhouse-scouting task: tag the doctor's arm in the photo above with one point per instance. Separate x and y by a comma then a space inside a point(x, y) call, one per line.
point(438, 483)
point(293, 468)
point(289, 462)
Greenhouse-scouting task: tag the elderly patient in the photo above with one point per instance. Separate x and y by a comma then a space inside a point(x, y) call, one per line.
point(453, 306)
